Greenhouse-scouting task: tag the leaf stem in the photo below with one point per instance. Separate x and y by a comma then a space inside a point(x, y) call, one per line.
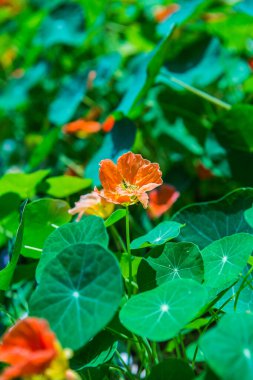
point(129, 252)
point(164, 78)
point(242, 287)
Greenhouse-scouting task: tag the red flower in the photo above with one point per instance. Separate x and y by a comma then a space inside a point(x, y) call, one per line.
point(161, 200)
point(108, 124)
point(29, 347)
point(127, 182)
point(82, 127)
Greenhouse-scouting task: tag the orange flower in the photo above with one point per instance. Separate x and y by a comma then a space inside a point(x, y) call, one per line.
point(161, 200)
point(203, 172)
point(31, 349)
point(162, 13)
point(127, 182)
point(92, 204)
point(108, 124)
point(82, 127)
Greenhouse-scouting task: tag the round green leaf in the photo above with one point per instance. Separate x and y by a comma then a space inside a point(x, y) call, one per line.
point(79, 292)
point(159, 235)
point(228, 348)
point(210, 221)
point(171, 369)
point(42, 217)
point(159, 314)
point(224, 259)
point(90, 230)
point(178, 260)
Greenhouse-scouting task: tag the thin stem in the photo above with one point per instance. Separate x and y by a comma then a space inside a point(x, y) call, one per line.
point(129, 252)
point(118, 238)
point(212, 99)
point(242, 287)
point(128, 371)
point(181, 342)
point(177, 349)
point(154, 350)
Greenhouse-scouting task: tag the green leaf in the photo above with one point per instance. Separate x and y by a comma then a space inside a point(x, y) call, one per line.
point(41, 218)
point(115, 217)
point(171, 369)
point(161, 313)
point(224, 259)
point(9, 218)
point(89, 230)
point(228, 347)
point(6, 274)
point(63, 186)
point(178, 260)
point(210, 221)
point(248, 215)
point(22, 184)
point(79, 293)
point(159, 235)
point(235, 128)
point(98, 351)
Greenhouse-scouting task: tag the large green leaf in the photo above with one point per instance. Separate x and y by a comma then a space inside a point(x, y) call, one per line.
point(210, 221)
point(228, 347)
point(6, 274)
point(89, 230)
point(224, 259)
point(235, 128)
point(9, 216)
point(63, 186)
point(171, 369)
point(41, 218)
point(79, 292)
point(178, 260)
point(98, 351)
point(115, 217)
point(159, 235)
point(22, 184)
point(161, 313)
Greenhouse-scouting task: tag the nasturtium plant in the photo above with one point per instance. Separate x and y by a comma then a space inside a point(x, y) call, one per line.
point(89, 230)
point(126, 190)
point(84, 281)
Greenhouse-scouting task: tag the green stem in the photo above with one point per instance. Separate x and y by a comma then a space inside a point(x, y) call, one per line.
point(124, 365)
point(181, 342)
point(242, 287)
point(129, 252)
point(118, 238)
point(164, 79)
point(155, 355)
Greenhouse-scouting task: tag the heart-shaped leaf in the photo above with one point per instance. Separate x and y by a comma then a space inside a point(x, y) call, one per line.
point(178, 260)
point(159, 235)
point(210, 221)
point(161, 313)
point(89, 230)
point(224, 259)
point(79, 292)
point(228, 347)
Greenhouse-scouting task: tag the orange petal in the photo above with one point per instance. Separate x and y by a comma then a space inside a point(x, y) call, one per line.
point(161, 200)
point(109, 175)
point(129, 164)
point(81, 125)
point(108, 124)
point(143, 198)
point(149, 177)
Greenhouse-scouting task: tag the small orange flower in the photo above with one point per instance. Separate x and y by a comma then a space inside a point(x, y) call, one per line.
point(31, 348)
point(161, 200)
point(92, 204)
point(127, 182)
point(162, 13)
point(203, 172)
point(82, 127)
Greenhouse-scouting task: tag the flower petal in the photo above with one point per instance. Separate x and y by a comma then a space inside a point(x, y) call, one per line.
point(149, 177)
point(129, 164)
point(109, 176)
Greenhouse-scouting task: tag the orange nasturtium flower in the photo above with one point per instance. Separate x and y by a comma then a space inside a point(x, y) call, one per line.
point(32, 352)
point(162, 13)
point(161, 200)
point(128, 181)
point(82, 127)
point(92, 204)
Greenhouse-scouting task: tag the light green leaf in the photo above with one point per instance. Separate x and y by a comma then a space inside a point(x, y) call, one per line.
point(22, 184)
point(228, 347)
point(178, 260)
point(41, 218)
point(115, 217)
point(159, 235)
point(159, 314)
point(89, 230)
point(79, 292)
point(171, 369)
point(210, 221)
point(224, 259)
point(63, 186)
